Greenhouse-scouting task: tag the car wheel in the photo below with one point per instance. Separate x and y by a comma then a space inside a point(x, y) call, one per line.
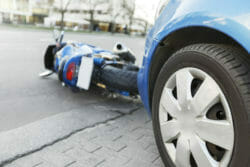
point(201, 108)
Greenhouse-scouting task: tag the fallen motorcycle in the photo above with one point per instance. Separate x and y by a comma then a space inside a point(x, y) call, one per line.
point(78, 65)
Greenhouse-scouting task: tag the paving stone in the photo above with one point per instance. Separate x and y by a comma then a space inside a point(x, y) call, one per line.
point(90, 147)
point(56, 159)
point(127, 141)
point(153, 148)
point(29, 161)
point(112, 157)
point(158, 162)
point(136, 162)
point(116, 146)
point(33, 160)
point(83, 156)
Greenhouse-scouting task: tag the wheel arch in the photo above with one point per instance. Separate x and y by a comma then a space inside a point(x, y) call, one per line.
point(179, 39)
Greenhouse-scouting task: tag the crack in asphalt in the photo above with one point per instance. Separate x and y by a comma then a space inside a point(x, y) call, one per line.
point(121, 114)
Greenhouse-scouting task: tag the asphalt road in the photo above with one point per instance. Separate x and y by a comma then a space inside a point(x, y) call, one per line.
point(24, 97)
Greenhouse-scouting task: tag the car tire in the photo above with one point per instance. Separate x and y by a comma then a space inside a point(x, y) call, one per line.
point(199, 87)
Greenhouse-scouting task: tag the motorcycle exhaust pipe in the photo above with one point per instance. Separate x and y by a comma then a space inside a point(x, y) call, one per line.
point(119, 48)
point(124, 53)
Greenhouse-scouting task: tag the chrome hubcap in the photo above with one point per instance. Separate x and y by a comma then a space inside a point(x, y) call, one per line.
point(195, 120)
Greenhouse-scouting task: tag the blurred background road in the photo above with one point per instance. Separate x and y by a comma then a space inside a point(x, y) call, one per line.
point(24, 97)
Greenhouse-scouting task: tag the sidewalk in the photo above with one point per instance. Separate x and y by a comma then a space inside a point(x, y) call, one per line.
point(126, 141)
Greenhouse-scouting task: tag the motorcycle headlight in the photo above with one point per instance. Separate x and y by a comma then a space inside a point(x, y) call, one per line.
point(162, 4)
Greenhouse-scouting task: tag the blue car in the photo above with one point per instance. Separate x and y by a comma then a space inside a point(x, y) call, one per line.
point(195, 82)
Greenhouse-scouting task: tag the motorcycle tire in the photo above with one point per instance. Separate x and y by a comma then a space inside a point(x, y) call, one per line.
point(60, 70)
point(119, 79)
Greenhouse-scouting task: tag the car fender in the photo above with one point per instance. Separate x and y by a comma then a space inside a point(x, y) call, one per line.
point(180, 14)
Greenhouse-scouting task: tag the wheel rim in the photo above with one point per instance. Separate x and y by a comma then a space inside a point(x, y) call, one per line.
point(195, 120)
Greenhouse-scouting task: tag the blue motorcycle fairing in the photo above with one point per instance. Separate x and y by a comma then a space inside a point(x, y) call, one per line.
point(77, 60)
point(73, 53)
point(227, 16)
point(76, 49)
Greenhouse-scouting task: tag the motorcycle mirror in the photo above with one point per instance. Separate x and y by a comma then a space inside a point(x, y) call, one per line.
point(61, 37)
point(56, 35)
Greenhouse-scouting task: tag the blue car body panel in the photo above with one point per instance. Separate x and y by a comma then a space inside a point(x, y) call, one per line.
point(230, 17)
